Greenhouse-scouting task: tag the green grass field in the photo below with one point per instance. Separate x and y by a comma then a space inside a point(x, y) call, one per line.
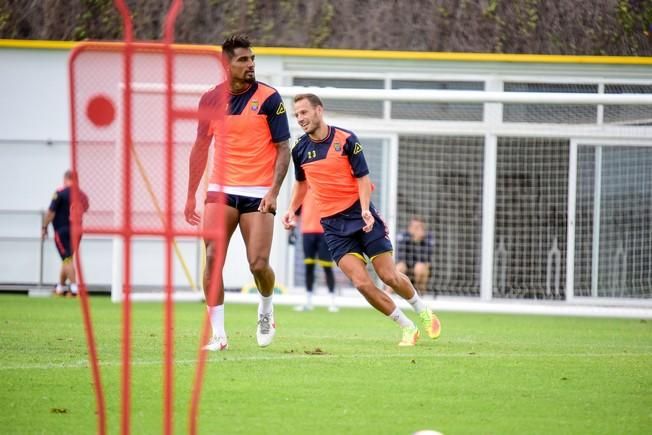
point(489, 374)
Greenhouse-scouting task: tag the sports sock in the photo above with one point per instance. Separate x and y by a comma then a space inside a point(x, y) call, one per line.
point(330, 279)
point(310, 276)
point(265, 306)
point(216, 315)
point(60, 288)
point(73, 288)
point(332, 299)
point(417, 303)
point(399, 317)
point(309, 299)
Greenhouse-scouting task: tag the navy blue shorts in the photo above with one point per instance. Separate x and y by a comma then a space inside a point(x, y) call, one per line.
point(315, 249)
point(244, 204)
point(63, 243)
point(344, 235)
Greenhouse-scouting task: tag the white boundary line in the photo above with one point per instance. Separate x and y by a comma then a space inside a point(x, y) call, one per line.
point(224, 358)
point(538, 307)
point(351, 299)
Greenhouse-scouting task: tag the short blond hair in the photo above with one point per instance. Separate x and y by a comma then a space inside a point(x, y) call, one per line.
point(314, 100)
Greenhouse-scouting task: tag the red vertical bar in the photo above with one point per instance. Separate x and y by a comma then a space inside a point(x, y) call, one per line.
point(126, 218)
point(168, 407)
point(76, 234)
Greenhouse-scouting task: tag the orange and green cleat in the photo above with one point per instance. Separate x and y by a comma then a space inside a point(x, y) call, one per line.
point(410, 336)
point(431, 323)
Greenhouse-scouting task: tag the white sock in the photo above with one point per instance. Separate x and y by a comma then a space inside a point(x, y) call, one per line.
point(265, 306)
point(73, 288)
point(417, 303)
point(61, 288)
point(399, 317)
point(309, 299)
point(333, 299)
point(216, 315)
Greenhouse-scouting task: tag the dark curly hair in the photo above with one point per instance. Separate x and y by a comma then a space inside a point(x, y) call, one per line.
point(233, 42)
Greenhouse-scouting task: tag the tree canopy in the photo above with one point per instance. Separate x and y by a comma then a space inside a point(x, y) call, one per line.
point(579, 27)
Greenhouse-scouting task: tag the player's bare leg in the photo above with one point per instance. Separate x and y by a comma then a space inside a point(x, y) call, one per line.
point(402, 268)
point(215, 296)
point(63, 274)
point(212, 217)
point(389, 274)
point(69, 272)
point(257, 232)
point(61, 285)
point(354, 268)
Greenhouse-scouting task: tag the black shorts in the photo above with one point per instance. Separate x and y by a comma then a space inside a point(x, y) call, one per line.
point(63, 243)
point(411, 260)
point(315, 250)
point(344, 235)
point(244, 204)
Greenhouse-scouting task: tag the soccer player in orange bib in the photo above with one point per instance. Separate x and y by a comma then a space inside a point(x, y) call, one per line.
point(256, 156)
point(331, 161)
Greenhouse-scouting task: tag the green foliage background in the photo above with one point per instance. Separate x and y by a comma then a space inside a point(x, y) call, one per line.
point(582, 27)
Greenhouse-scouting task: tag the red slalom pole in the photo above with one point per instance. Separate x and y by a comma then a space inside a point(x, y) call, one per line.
point(126, 215)
point(168, 399)
point(76, 237)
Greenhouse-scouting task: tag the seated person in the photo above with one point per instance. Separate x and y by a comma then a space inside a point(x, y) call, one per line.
point(414, 252)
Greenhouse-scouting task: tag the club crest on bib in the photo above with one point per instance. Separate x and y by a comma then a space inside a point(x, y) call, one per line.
point(254, 105)
point(337, 146)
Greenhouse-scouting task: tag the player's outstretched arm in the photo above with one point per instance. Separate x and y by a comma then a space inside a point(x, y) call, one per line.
point(299, 189)
point(268, 203)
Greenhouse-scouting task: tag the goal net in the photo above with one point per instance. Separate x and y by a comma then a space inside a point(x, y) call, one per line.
point(529, 191)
